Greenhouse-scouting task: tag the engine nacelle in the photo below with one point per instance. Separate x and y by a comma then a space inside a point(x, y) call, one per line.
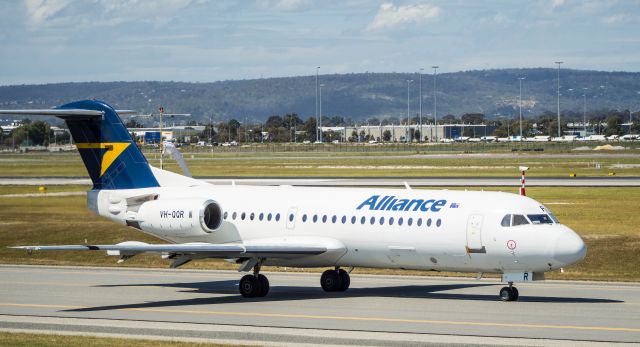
point(180, 217)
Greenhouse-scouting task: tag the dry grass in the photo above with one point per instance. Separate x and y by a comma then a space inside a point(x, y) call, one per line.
point(46, 340)
point(296, 164)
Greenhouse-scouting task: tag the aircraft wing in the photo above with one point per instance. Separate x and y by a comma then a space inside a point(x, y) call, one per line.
point(200, 250)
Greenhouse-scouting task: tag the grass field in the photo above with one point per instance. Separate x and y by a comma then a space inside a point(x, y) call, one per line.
point(606, 218)
point(52, 340)
point(344, 164)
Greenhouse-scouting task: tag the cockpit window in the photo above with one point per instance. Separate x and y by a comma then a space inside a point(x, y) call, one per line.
point(506, 221)
point(519, 219)
point(540, 219)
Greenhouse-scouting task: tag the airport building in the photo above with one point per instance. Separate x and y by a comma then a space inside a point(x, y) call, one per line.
point(400, 133)
point(182, 133)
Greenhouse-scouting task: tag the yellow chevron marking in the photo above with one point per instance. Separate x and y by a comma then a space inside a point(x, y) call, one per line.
point(113, 150)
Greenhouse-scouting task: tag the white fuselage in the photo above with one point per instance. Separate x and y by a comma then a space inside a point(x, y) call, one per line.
point(362, 227)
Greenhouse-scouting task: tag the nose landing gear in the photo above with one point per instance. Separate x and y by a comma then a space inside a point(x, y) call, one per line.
point(509, 293)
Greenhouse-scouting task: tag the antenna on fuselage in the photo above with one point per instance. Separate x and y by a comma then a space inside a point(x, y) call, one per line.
point(523, 169)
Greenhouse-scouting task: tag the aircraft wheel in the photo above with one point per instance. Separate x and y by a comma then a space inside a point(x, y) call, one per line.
point(331, 281)
point(506, 294)
point(264, 285)
point(250, 286)
point(514, 290)
point(345, 280)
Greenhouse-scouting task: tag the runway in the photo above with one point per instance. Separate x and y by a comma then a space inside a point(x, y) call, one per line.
point(373, 181)
point(377, 310)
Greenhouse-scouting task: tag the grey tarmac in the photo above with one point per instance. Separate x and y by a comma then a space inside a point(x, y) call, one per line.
point(202, 305)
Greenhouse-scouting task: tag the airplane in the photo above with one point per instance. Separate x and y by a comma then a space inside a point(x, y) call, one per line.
point(340, 228)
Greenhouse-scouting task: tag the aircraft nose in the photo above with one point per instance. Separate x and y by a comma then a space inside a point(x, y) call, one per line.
point(569, 248)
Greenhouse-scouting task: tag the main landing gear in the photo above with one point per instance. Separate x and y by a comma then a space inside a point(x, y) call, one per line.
point(509, 293)
point(336, 280)
point(255, 285)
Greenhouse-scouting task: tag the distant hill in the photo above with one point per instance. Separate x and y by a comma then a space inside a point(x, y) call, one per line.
point(352, 96)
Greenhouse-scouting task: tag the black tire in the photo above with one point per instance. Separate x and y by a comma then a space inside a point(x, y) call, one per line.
point(506, 294)
point(515, 293)
point(250, 286)
point(330, 281)
point(345, 280)
point(264, 285)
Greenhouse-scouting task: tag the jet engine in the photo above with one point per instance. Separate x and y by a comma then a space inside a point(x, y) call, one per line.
point(184, 217)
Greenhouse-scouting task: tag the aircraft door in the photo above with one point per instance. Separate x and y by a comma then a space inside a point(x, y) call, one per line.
point(474, 234)
point(291, 218)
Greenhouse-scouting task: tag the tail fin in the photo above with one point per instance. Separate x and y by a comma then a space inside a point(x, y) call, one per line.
point(110, 155)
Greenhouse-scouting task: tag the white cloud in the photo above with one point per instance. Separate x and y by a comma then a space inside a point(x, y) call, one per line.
point(499, 18)
point(615, 19)
point(39, 11)
point(556, 3)
point(283, 5)
point(391, 16)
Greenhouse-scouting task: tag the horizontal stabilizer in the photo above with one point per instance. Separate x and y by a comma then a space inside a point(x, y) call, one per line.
point(62, 113)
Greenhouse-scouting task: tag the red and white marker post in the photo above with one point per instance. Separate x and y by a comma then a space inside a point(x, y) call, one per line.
point(522, 171)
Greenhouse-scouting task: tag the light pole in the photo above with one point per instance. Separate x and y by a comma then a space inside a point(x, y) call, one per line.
point(317, 129)
point(420, 104)
point(435, 101)
point(520, 102)
point(559, 63)
point(408, 111)
point(320, 104)
point(584, 110)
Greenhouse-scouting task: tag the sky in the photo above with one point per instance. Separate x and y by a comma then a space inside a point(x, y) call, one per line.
point(47, 41)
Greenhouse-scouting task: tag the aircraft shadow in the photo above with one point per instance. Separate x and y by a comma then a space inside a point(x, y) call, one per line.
point(289, 293)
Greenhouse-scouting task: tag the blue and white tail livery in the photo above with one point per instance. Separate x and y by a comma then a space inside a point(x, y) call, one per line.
point(441, 230)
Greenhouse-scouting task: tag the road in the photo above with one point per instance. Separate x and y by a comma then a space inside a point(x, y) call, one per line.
point(374, 181)
point(377, 310)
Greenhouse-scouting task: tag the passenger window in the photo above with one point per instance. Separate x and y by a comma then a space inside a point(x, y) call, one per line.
point(506, 221)
point(391, 221)
point(344, 219)
point(400, 221)
point(243, 216)
point(252, 216)
point(261, 216)
point(268, 217)
point(373, 220)
point(277, 217)
point(334, 219)
point(324, 218)
point(381, 220)
point(291, 217)
point(409, 221)
point(362, 220)
point(419, 222)
point(315, 218)
point(304, 218)
point(429, 222)
point(226, 214)
point(438, 222)
point(234, 215)
point(353, 219)
point(519, 219)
